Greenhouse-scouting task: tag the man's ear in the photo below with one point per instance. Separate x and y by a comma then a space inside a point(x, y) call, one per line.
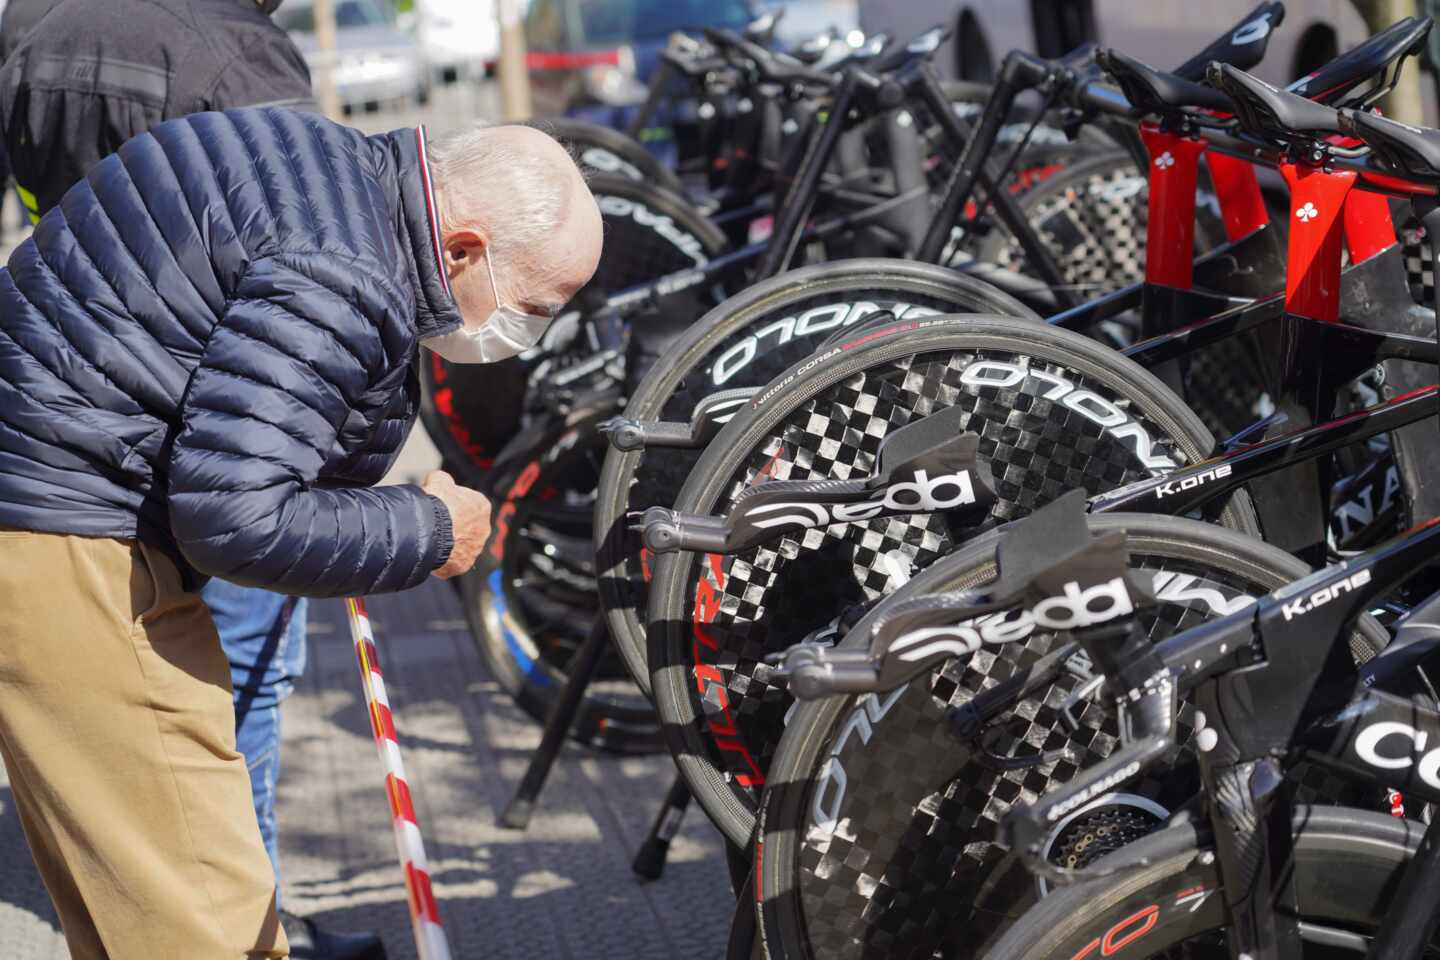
point(463, 247)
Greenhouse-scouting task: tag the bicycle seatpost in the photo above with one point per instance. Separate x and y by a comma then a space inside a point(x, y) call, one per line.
point(801, 195)
point(1018, 73)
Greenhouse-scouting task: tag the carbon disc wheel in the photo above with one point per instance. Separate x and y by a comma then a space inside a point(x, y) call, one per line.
point(743, 342)
point(712, 619)
point(1168, 901)
point(878, 830)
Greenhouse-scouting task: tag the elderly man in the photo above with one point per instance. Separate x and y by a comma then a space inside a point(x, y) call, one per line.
point(205, 351)
point(80, 78)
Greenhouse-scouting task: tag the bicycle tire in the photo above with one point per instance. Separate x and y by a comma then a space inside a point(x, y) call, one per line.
point(471, 411)
point(601, 150)
point(1347, 862)
point(526, 598)
point(834, 408)
point(693, 369)
point(925, 836)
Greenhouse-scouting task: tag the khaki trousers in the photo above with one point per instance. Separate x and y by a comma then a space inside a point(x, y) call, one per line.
point(118, 733)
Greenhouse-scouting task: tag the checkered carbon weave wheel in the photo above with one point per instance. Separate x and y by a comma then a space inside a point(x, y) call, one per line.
point(744, 342)
point(712, 619)
point(877, 828)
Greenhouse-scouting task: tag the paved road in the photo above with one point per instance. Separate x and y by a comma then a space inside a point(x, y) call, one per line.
point(563, 889)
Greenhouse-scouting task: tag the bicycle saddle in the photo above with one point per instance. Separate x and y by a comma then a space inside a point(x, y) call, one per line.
point(1409, 151)
point(1243, 44)
point(873, 47)
point(1273, 114)
point(813, 50)
point(1155, 91)
point(1343, 74)
point(775, 67)
point(1152, 91)
point(761, 30)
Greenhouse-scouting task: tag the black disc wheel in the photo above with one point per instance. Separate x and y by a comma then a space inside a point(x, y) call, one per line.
point(743, 342)
point(878, 832)
point(1054, 412)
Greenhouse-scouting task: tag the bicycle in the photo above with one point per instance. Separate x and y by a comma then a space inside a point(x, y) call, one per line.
point(1247, 871)
point(868, 845)
point(784, 432)
point(750, 338)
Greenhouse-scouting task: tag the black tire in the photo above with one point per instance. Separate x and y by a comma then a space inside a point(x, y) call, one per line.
point(471, 411)
point(531, 598)
point(1347, 865)
point(601, 150)
point(924, 828)
point(693, 369)
point(853, 395)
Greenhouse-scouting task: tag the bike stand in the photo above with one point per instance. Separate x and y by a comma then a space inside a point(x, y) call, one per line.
point(649, 862)
point(557, 725)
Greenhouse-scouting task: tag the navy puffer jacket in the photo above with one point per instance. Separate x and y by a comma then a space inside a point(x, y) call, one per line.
point(210, 345)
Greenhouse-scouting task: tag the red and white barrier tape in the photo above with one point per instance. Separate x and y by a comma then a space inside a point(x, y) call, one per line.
point(424, 914)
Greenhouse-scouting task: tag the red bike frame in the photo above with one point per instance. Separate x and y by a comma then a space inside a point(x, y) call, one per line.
point(1326, 210)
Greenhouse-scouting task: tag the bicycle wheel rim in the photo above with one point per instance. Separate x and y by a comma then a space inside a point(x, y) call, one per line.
point(808, 300)
point(725, 768)
point(915, 839)
point(1346, 865)
point(531, 600)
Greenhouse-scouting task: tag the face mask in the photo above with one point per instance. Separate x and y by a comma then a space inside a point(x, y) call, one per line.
point(506, 333)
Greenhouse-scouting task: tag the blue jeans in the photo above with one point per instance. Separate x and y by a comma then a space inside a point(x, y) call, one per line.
point(263, 635)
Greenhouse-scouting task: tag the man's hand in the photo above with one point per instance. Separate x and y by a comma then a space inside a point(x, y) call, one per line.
point(469, 521)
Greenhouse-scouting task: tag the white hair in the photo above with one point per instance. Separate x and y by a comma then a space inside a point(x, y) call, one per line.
point(502, 182)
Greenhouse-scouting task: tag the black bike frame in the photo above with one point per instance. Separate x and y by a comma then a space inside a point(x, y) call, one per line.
point(1277, 681)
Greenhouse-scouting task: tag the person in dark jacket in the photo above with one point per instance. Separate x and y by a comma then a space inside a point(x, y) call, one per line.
point(19, 16)
point(73, 96)
point(81, 82)
point(207, 353)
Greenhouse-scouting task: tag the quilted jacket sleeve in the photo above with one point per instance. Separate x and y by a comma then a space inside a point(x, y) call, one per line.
point(290, 366)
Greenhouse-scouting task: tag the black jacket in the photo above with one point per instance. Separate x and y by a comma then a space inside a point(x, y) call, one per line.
point(211, 342)
point(16, 21)
point(94, 73)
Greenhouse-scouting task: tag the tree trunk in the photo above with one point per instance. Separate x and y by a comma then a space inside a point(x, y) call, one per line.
point(1403, 103)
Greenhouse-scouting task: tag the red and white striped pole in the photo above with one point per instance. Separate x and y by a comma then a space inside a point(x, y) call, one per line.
point(424, 914)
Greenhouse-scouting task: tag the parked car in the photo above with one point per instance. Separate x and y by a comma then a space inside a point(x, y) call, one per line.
point(458, 38)
point(376, 61)
point(593, 58)
point(1164, 33)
